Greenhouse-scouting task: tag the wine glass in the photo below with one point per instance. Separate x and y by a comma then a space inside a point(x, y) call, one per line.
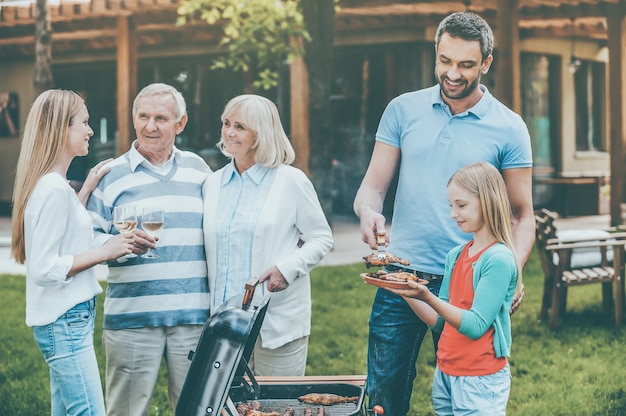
point(125, 221)
point(152, 222)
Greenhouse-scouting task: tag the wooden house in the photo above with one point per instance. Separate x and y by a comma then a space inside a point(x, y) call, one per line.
point(561, 64)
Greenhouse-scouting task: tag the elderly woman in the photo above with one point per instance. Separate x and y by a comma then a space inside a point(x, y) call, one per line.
point(256, 210)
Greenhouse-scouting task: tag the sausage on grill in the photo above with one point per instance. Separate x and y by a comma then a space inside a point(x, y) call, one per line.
point(326, 399)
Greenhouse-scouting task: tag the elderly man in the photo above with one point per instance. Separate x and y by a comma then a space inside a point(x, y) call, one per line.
point(154, 308)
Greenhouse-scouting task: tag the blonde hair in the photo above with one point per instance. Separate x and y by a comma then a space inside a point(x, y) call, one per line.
point(260, 115)
point(485, 182)
point(43, 142)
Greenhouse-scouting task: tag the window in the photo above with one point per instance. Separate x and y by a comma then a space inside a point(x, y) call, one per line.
point(540, 101)
point(537, 105)
point(589, 87)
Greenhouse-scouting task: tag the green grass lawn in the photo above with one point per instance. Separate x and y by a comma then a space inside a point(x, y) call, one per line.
point(578, 370)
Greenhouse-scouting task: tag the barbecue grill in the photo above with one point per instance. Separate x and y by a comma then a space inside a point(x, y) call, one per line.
point(219, 377)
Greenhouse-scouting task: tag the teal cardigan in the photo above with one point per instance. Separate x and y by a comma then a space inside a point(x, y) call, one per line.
point(494, 280)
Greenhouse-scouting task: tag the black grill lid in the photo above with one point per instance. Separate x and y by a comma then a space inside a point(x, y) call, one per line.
point(221, 356)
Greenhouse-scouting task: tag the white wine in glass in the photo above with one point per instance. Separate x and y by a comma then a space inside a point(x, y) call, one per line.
point(152, 222)
point(125, 221)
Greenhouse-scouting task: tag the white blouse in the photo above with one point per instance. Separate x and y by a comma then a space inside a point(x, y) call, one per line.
point(56, 227)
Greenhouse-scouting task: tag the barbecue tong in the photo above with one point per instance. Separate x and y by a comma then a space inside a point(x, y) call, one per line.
point(382, 245)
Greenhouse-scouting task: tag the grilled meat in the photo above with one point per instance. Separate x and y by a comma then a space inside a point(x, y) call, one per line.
point(259, 413)
point(326, 399)
point(399, 276)
point(244, 407)
point(373, 261)
point(396, 276)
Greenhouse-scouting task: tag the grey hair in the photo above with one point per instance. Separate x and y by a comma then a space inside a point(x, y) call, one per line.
point(467, 26)
point(180, 108)
point(261, 116)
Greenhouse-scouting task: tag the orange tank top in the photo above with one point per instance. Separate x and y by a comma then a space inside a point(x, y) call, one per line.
point(457, 354)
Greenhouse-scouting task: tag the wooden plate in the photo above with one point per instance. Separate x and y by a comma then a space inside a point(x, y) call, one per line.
point(388, 283)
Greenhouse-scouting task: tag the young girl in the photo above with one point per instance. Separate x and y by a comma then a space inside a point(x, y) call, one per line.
point(52, 235)
point(472, 310)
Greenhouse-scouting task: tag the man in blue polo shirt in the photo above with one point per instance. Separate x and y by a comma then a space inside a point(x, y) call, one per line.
point(428, 134)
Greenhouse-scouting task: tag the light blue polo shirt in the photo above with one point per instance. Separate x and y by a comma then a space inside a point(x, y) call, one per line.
point(434, 144)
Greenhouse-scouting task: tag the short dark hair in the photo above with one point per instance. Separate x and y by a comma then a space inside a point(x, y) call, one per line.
point(468, 26)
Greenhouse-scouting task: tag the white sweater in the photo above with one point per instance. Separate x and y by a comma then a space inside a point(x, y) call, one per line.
point(56, 227)
point(291, 210)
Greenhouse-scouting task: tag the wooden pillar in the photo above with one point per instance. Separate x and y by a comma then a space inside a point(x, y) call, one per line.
point(616, 28)
point(508, 79)
point(299, 86)
point(390, 76)
point(126, 81)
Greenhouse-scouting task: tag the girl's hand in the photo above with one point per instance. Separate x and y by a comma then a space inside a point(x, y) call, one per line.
point(93, 178)
point(95, 174)
point(413, 290)
point(276, 279)
point(118, 246)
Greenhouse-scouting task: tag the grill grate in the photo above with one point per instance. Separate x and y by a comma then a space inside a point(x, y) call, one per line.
point(279, 397)
point(281, 405)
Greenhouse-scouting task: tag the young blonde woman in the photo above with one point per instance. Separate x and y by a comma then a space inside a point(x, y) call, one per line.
point(472, 310)
point(52, 235)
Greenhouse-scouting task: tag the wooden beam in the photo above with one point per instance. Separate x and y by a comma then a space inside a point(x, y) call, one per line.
point(126, 81)
point(508, 79)
point(390, 77)
point(616, 25)
point(364, 21)
point(299, 86)
point(57, 37)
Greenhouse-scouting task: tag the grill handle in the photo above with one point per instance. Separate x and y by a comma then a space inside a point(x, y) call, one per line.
point(249, 293)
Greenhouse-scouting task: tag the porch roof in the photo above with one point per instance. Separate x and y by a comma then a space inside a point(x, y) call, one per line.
point(91, 25)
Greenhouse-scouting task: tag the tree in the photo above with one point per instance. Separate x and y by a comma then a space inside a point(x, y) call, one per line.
point(43, 55)
point(257, 34)
point(261, 34)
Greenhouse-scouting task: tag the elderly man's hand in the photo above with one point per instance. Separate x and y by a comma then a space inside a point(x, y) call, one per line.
point(143, 241)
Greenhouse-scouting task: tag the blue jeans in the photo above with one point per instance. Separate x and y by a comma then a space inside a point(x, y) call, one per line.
point(67, 347)
point(471, 395)
point(395, 337)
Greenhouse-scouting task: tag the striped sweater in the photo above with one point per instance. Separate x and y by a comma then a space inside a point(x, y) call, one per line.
point(172, 289)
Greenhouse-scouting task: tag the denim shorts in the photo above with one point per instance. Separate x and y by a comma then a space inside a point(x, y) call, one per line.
point(67, 348)
point(471, 395)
